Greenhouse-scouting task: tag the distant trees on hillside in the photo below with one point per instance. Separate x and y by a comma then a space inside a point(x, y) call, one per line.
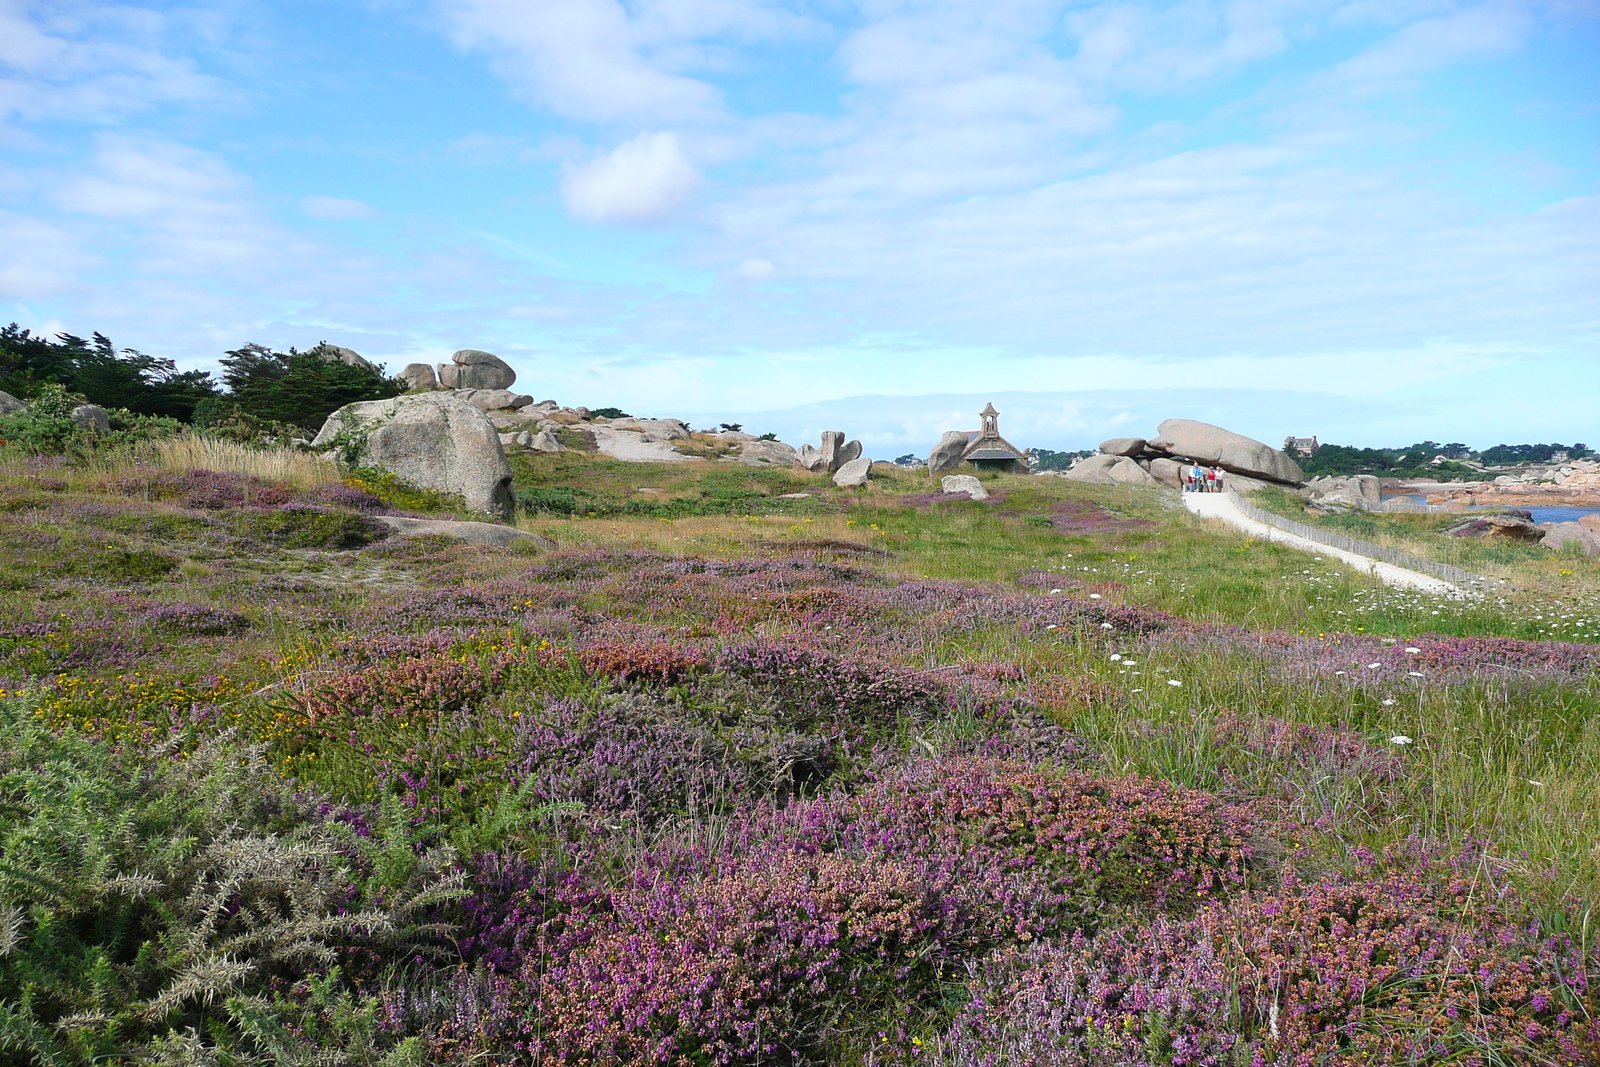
point(101, 373)
point(295, 389)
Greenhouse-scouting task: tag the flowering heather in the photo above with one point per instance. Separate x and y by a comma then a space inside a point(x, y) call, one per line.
point(1395, 969)
point(204, 490)
point(819, 689)
point(195, 619)
point(767, 940)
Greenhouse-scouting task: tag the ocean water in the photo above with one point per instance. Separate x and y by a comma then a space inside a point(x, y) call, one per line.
point(1539, 514)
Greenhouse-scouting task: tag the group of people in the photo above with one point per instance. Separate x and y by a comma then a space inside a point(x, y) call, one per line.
point(1200, 479)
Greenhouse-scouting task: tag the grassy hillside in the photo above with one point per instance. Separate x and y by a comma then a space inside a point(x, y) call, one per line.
point(734, 776)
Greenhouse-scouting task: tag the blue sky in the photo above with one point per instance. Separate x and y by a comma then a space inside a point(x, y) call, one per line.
point(1373, 220)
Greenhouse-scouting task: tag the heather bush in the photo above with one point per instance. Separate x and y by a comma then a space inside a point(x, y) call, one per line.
point(140, 891)
point(1397, 968)
point(820, 691)
point(310, 526)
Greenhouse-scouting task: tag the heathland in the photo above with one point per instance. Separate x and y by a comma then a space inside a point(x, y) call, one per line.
point(712, 773)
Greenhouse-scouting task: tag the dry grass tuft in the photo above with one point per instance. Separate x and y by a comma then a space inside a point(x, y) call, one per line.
point(299, 470)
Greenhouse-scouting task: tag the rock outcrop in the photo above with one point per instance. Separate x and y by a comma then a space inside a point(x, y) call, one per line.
point(1360, 491)
point(10, 405)
point(488, 534)
point(1110, 470)
point(853, 474)
point(473, 369)
point(946, 455)
point(348, 356)
point(809, 458)
point(1562, 534)
point(832, 442)
point(419, 377)
point(1214, 446)
point(1124, 446)
point(964, 484)
point(494, 399)
point(92, 417)
point(759, 453)
point(432, 440)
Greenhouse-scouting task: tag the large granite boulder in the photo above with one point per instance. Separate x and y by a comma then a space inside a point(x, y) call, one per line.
point(1168, 472)
point(419, 377)
point(10, 405)
point(472, 369)
point(1123, 446)
point(1212, 445)
point(848, 452)
point(654, 430)
point(348, 356)
point(432, 440)
point(1361, 491)
point(946, 455)
point(809, 458)
point(760, 453)
point(854, 474)
point(1563, 534)
point(1591, 522)
point(494, 399)
point(91, 417)
point(1110, 470)
point(964, 484)
point(832, 442)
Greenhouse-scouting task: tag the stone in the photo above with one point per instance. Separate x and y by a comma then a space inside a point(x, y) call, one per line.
point(1167, 472)
point(808, 458)
point(348, 356)
point(1562, 534)
point(1360, 491)
point(1514, 528)
point(946, 455)
point(655, 429)
point(854, 474)
point(494, 399)
point(1590, 521)
point(488, 534)
point(1127, 472)
point(849, 452)
point(760, 453)
point(963, 483)
point(544, 441)
point(472, 369)
point(91, 417)
point(1123, 446)
point(1214, 446)
point(420, 377)
point(10, 405)
point(582, 412)
point(832, 441)
point(432, 440)
point(1111, 470)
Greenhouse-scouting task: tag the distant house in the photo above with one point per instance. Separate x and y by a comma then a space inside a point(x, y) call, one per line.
point(1558, 457)
point(990, 451)
point(1306, 446)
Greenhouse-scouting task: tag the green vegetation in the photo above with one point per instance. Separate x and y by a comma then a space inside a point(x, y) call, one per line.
point(275, 788)
point(295, 388)
point(97, 370)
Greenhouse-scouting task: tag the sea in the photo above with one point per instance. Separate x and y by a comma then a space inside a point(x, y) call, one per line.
point(1552, 514)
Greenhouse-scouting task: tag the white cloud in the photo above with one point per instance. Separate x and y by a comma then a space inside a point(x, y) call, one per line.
point(41, 259)
point(580, 58)
point(755, 270)
point(336, 208)
point(84, 61)
point(645, 179)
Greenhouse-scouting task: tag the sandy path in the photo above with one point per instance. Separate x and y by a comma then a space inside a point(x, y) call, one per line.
point(1221, 506)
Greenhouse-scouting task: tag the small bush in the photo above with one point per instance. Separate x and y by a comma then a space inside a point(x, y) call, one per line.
point(131, 565)
point(310, 527)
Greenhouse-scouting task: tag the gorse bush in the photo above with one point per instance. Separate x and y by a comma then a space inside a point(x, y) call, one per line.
point(141, 895)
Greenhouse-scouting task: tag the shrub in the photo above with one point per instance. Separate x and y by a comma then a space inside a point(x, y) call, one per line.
point(299, 388)
point(305, 526)
point(127, 564)
point(140, 891)
point(1395, 969)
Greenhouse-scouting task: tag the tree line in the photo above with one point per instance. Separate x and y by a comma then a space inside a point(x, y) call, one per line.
point(294, 390)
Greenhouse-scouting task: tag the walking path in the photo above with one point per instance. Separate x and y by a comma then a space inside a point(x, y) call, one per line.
point(1221, 506)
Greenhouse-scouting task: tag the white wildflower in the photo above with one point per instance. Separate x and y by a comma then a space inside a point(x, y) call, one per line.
point(1400, 739)
point(1173, 681)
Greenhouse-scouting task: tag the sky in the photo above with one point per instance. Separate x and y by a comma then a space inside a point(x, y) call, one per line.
point(1376, 221)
